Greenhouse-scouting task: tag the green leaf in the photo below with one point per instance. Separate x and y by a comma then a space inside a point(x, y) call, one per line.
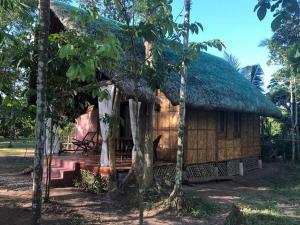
point(199, 25)
point(276, 22)
point(261, 12)
point(257, 6)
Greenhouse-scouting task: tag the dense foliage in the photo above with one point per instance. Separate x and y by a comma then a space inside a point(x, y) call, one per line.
point(284, 46)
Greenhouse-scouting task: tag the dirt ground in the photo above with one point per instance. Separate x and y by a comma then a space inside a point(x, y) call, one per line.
point(70, 206)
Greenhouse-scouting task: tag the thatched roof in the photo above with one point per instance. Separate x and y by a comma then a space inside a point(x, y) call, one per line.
point(212, 83)
point(68, 16)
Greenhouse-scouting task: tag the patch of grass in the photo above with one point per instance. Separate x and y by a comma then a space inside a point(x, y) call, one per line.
point(267, 217)
point(259, 201)
point(289, 184)
point(16, 151)
point(19, 143)
point(262, 211)
point(262, 208)
point(15, 164)
point(198, 207)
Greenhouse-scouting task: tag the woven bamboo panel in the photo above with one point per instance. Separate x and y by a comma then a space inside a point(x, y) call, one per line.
point(250, 163)
point(233, 167)
point(222, 169)
point(162, 173)
point(200, 172)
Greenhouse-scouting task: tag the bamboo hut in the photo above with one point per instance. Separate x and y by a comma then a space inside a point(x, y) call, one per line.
point(222, 118)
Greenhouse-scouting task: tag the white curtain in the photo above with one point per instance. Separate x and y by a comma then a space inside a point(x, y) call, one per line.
point(105, 108)
point(134, 114)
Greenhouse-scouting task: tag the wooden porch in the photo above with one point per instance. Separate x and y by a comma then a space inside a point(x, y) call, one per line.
point(66, 167)
point(91, 162)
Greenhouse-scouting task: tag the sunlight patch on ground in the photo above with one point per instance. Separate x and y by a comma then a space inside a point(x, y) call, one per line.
point(218, 197)
point(16, 151)
point(267, 216)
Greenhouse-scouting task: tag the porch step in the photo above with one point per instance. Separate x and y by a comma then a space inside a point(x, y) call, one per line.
point(63, 172)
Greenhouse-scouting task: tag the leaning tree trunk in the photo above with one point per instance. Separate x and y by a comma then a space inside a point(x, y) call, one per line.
point(43, 25)
point(149, 124)
point(176, 195)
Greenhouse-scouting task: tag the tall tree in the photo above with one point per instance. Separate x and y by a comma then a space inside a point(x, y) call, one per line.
point(176, 195)
point(284, 50)
point(43, 33)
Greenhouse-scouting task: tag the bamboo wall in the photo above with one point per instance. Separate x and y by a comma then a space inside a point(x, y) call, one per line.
point(229, 147)
point(166, 123)
point(203, 141)
point(200, 140)
point(250, 136)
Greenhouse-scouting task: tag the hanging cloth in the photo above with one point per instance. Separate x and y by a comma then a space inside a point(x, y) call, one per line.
point(105, 109)
point(134, 116)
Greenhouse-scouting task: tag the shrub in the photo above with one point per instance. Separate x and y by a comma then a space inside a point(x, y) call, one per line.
point(90, 182)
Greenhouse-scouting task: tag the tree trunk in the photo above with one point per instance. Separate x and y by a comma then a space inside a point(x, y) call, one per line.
point(12, 123)
point(149, 124)
point(48, 156)
point(112, 142)
point(292, 109)
point(176, 195)
point(296, 122)
point(43, 25)
point(140, 158)
point(149, 146)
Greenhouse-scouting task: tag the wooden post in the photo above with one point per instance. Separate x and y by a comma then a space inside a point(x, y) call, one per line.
point(216, 171)
point(259, 163)
point(241, 168)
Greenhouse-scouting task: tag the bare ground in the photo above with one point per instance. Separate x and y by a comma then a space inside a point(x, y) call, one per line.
point(70, 206)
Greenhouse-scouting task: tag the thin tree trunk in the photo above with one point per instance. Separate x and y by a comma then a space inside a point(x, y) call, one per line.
point(140, 158)
point(296, 121)
point(176, 195)
point(48, 164)
point(12, 124)
point(292, 117)
point(149, 124)
point(43, 23)
point(112, 142)
point(148, 181)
